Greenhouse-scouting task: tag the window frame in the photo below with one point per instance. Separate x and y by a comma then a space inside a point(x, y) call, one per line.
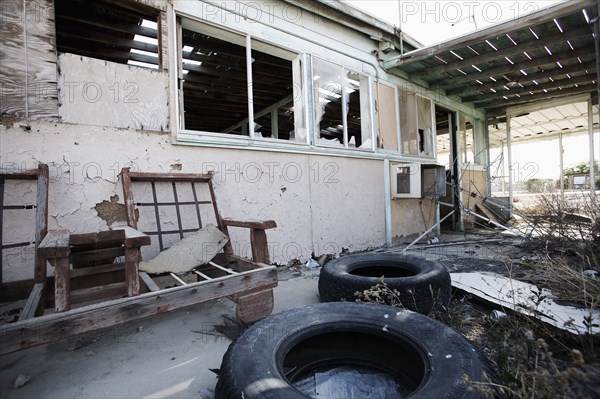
point(345, 101)
point(423, 155)
point(299, 70)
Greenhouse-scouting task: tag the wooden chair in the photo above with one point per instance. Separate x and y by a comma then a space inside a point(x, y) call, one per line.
point(84, 270)
point(252, 304)
point(85, 266)
point(34, 289)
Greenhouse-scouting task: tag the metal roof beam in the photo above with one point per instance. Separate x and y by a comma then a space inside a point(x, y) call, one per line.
point(502, 103)
point(575, 34)
point(499, 71)
point(590, 67)
point(589, 79)
point(548, 14)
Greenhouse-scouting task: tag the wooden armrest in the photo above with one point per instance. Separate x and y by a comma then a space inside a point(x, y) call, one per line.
point(251, 224)
point(55, 244)
point(135, 238)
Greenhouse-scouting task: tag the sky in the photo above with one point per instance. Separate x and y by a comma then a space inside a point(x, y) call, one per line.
point(432, 22)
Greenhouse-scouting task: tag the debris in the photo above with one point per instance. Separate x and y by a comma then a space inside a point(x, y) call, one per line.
point(350, 383)
point(497, 315)
point(312, 264)
point(140, 328)
point(21, 380)
point(90, 353)
point(591, 273)
point(207, 394)
point(527, 299)
point(192, 251)
point(434, 240)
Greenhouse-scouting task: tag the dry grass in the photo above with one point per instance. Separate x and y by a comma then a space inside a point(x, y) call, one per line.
point(532, 360)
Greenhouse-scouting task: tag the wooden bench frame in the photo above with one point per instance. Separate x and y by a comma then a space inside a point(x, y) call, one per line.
point(252, 304)
point(248, 282)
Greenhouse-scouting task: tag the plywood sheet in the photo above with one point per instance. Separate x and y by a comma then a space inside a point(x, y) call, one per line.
point(105, 93)
point(526, 299)
point(387, 121)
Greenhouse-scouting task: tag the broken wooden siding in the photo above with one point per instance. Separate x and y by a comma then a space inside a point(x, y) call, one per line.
point(103, 93)
point(28, 59)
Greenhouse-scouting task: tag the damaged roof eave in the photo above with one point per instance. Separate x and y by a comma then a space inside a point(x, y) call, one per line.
point(547, 14)
point(356, 19)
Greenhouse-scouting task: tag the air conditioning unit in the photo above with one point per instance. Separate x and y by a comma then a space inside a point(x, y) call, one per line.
point(414, 180)
point(406, 180)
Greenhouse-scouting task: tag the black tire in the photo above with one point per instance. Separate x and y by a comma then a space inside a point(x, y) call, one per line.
point(423, 285)
point(427, 358)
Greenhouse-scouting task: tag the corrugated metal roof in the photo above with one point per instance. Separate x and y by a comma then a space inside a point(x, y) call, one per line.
point(545, 55)
point(543, 124)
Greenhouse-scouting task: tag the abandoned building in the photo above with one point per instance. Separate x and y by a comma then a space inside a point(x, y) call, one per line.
point(343, 130)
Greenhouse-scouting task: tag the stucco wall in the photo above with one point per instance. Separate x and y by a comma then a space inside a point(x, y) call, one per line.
point(321, 204)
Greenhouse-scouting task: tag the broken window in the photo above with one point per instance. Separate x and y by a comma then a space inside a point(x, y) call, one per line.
point(239, 86)
point(416, 127)
point(342, 106)
point(122, 32)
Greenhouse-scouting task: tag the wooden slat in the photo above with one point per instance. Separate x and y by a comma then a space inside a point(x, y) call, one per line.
point(170, 177)
point(21, 335)
point(62, 285)
point(34, 305)
point(55, 244)
point(135, 238)
point(150, 284)
point(260, 247)
point(41, 221)
point(88, 241)
point(176, 277)
point(251, 224)
point(97, 255)
point(204, 276)
point(128, 197)
point(99, 292)
point(94, 270)
point(254, 306)
point(228, 271)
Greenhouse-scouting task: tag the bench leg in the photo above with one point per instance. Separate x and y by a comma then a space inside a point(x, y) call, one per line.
point(62, 285)
point(254, 306)
point(260, 247)
point(132, 277)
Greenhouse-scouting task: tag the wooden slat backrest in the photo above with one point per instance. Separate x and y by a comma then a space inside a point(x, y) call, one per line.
point(40, 174)
point(193, 179)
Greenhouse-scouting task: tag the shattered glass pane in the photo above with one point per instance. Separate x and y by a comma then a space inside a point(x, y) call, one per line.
point(349, 383)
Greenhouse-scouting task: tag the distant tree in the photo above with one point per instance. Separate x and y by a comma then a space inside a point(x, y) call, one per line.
point(580, 168)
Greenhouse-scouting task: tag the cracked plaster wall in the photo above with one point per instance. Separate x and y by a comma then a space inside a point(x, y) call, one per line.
point(321, 204)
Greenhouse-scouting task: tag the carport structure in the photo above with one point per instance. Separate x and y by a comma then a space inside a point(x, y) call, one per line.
point(543, 60)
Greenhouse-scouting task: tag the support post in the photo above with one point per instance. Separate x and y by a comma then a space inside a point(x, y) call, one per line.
point(250, 88)
point(592, 155)
point(388, 202)
point(510, 165)
point(561, 155)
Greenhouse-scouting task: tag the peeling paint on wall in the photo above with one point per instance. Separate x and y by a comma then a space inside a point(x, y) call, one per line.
point(112, 212)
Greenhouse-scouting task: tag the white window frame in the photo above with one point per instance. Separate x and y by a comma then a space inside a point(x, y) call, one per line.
point(416, 116)
point(344, 99)
point(299, 68)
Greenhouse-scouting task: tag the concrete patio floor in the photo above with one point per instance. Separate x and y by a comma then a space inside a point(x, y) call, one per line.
point(169, 355)
point(164, 356)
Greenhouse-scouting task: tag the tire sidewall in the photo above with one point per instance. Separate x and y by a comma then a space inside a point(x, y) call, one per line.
point(261, 349)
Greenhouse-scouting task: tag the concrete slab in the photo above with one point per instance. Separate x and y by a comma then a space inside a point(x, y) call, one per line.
point(196, 249)
point(165, 356)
